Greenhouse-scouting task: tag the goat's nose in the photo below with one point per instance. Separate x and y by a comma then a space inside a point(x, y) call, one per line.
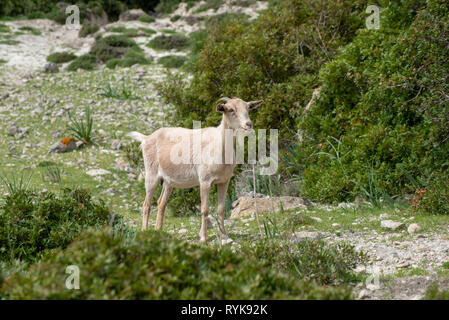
point(249, 124)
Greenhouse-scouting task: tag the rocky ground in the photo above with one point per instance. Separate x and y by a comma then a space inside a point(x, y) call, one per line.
point(34, 109)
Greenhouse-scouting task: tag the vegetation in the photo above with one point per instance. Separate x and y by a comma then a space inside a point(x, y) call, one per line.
point(172, 61)
point(148, 267)
point(87, 29)
point(169, 42)
point(82, 129)
point(32, 223)
point(86, 62)
point(378, 108)
point(146, 18)
point(61, 57)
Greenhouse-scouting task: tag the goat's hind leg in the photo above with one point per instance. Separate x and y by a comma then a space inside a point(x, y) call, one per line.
point(150, 185)
point(162, 204)
point(221, 193)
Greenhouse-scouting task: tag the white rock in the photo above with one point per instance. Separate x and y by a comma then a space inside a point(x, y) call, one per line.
point(316, 219)
point(182, 231)
point(413, 228)
point(390, 224)
point(226, 241)
point(97, 172)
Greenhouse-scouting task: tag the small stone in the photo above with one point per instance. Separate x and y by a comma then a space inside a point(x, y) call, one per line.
point(63, 145)
point(413, 228)
point(51, 67)
point(363, 294)
point(180, 231)
point(226, 241)
point(97, 172)
point(302, 235)
point(316, 219)
point(390, 224)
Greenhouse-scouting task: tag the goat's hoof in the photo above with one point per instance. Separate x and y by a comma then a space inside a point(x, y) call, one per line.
point(226, 241)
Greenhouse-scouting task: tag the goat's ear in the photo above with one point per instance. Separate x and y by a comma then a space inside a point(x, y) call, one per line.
point(220, 107)
point(254, 104)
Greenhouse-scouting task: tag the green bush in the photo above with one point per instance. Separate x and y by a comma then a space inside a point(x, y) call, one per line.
point(276, 58)
point(311, 260)
point(61, 57)
point(381, 100)
point(169, 42)
point(87, 29)
point(168, 6)
point(146, 18)
point(86, 62)
point(131, 58)
point(32, 30)
point(434, 293)
point(32, 223)
point(172, 61)
point(41, 9)
point(435, 198)
point(156, 266)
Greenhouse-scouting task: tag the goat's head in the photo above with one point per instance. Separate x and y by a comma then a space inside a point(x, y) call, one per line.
point(236, 112)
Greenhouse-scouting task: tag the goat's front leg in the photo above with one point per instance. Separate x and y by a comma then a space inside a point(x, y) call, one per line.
point(221, 193)
point(204, 193)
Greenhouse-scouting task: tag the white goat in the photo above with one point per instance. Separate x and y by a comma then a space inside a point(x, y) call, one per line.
point(158, 150)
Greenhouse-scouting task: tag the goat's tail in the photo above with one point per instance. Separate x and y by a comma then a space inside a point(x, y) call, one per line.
point(136, 136)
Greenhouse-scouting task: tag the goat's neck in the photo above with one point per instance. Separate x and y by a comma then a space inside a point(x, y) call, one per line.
point(223, 127)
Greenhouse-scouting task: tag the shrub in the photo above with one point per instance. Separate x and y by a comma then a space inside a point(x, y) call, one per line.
point(382, 101)
point(169, 42)
point(434, 293)
point(32, 223)
point(86, 62)
point(82, 129)
point(236, 60)
point(311, 259)
point(114, 47)
point(133, 153)
point(146, 18)
point(87, 29)
point(32, 30)
point(4, 28)
point(168, 6)
point(435, 198)
point(156, 266)
point(172, 61)
point(61, 57)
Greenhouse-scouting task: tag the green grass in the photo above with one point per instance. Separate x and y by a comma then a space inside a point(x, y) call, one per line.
point(31, 30)
point(61, 57)
point(2, 61)
point(4, 28)
point(85, 62)
point(172, 61)
point(146, 18)
point(82, 128)
point(88, 29)
point(169, 42)
point(9, 42)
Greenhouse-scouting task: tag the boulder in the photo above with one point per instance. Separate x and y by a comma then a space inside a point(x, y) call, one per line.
point(392, 225)
point(245, 206)
point(51, 68)
point(132, 14)
point(64, 145)
point(413, 228)
point(307, 235)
